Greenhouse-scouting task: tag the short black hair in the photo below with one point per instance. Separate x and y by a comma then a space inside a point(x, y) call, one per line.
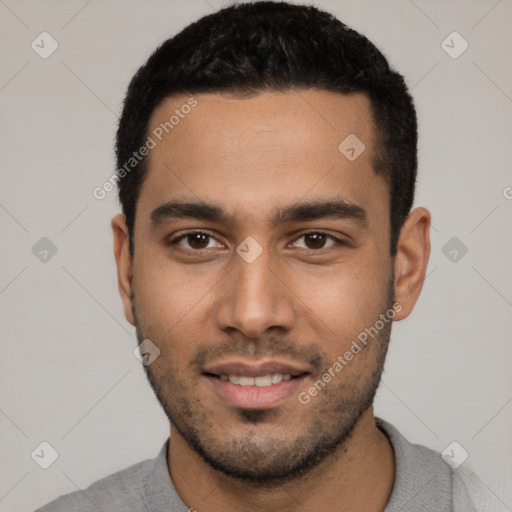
point(248, 48)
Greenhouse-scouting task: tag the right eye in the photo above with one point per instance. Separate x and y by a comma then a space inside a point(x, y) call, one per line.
point(196, 241)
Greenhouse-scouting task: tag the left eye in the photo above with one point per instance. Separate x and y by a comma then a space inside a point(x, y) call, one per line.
point(316, 240)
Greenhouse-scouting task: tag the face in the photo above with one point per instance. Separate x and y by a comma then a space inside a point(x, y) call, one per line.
point(261, 256)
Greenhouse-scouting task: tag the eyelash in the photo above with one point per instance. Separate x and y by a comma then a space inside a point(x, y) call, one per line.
point(338, 241)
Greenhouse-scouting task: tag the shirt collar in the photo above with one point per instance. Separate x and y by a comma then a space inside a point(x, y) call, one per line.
point(420, 475)
point(158, 490)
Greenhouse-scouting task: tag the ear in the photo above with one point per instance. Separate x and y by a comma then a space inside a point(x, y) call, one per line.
point(413, 251)
point(124, 264)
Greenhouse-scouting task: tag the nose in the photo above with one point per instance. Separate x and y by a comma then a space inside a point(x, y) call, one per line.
point(255, 298)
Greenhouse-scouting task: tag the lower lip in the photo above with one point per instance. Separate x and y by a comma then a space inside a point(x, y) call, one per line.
point(254, 397)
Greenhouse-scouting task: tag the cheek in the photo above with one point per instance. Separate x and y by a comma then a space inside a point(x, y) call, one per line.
point(348, 296)
point(163, 293)
point(172, 301)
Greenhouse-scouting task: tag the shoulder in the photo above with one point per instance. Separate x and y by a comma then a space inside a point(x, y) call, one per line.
point(122, 490)
point(424, 480)
point(478, 492)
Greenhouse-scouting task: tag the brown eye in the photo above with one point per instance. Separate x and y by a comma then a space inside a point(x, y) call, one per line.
point(316, 240)
point(198, 240)
point(195, 241)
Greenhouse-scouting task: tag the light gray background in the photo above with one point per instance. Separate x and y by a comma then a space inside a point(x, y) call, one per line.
point(68, 374)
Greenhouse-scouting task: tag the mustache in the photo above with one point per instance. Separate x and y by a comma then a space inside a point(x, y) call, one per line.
point(268, 347)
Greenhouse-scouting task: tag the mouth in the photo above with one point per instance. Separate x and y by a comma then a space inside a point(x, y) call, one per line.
point(262, 381)
point(254, 386)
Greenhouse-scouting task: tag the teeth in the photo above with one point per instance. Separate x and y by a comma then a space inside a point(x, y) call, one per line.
point(234, 379)
point(276, 378)
point(265, 380)
point(262, 382)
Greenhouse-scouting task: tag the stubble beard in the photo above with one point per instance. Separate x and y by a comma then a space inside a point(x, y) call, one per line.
point(328, 420)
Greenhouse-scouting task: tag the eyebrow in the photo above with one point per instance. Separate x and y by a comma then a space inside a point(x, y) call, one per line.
point(310, 210)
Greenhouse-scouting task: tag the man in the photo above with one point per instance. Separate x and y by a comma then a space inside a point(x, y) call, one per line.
point(266, 169)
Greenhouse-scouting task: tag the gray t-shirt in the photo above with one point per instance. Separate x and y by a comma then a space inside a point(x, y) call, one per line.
point(424, 482)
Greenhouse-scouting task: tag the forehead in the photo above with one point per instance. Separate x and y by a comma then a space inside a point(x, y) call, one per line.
point(270, 149)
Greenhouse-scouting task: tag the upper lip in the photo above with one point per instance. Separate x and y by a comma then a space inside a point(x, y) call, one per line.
point(255, 368)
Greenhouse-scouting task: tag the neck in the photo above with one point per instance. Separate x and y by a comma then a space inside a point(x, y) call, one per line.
point(358, 476)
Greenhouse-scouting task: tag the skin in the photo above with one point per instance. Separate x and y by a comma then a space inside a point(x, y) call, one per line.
point(300, 301)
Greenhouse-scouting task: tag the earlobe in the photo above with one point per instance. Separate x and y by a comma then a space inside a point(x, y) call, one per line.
point(413, 251)
point(124, 264)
